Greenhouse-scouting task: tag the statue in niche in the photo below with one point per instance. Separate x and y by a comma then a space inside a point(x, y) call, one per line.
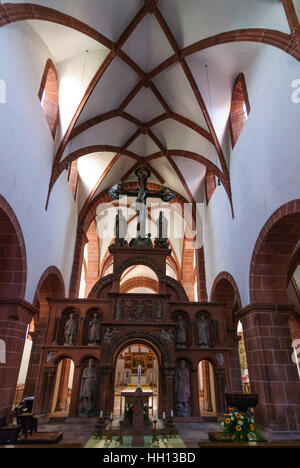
point(120, 229)
point(181, 331)
point(119, 309)
point(94, 329)
point(158, 310)
point(167, 336)
point(139, 310)
point(70, 332)
point(182, 389)
point(88, 391)
point(109, 335)
point(203, 331)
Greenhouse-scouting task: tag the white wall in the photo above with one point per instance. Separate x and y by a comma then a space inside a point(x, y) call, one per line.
point(264, 169)
point(26, 157)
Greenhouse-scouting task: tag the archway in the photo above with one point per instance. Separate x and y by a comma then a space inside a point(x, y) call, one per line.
point(63, 388)
point(15, 315)
point(126, 379)
point(267, 319)
point(225, 290)
point(207, 390)
point(50, 285)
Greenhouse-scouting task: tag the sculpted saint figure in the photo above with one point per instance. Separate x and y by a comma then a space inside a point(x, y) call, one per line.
point(120, 228)
point(181, 331)
point(203, 331)
point(119, 309)
point(70, 329)
point(182, 389)
point(158, 310)
point(88, 390)
point(94, 329)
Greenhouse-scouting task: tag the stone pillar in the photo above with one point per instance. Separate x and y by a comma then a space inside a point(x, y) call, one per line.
point(44, 401)
point(195, 392)
point(169, 388)
point(15, 316)
point(220, 390)
point(273, 375)
point(207, 401)
point(106, 390)
point(81, 331)
point(73, 411)
point(61, 404)
point(235, 381)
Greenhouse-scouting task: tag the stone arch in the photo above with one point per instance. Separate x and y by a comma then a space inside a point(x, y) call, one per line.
point(225, 290)
point(141, 336)
point(101, 287)
point(13, 271)
point(138, 261)
point(240, 108)
point(272, 255)
point(48, 95)
point(50, 285)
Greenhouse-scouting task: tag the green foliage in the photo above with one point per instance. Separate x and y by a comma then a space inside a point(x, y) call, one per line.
point(240, 426)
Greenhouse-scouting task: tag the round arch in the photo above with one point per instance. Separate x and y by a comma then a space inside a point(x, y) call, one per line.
point(14, 269)
point(272, 255)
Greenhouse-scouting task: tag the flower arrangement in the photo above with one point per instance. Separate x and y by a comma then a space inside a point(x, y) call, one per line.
point(240, 426)
point(129, 412)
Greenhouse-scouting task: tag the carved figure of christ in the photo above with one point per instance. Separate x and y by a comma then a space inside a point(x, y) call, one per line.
point(142, 193)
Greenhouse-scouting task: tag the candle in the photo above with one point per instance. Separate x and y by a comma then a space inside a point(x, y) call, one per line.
point(111, 416)
point(172, 414)
point(101, 414)
point(164, 415)
point(155, 418)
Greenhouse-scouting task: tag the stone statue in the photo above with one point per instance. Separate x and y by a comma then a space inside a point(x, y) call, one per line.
point(70, 330)
point(162, 226)
point(88, 391)
point(109, 335)
point(94, 329)
point(119, 309)
point(182, 389)
point(120, 229)
point(181, 331)
point(203, 331)
point(167, 336)
point(161, 242)
point(158, 310)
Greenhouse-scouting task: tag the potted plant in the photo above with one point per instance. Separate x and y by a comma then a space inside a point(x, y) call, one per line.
point(239, 426)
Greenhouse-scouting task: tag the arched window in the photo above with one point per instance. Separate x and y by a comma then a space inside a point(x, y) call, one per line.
point(48, 96)
point(240, 108)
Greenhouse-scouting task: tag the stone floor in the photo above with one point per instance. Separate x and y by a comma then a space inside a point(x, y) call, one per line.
point(80, 431)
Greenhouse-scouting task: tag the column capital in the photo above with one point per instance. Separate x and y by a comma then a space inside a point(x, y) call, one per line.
point(264, 307)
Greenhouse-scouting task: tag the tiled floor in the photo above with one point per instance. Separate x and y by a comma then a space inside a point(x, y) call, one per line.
point(81, 431)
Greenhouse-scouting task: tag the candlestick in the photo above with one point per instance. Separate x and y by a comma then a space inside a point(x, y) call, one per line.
point(164, 415)
point(172, 414)
point(111, 416)
point(101, 414)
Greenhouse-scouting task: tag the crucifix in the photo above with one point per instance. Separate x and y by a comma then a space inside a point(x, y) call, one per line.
point(142, 193)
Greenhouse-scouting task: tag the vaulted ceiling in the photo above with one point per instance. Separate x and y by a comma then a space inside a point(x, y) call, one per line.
point(152, 83)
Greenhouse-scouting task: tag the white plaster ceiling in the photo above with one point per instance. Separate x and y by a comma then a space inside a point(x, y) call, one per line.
point(213, 70)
